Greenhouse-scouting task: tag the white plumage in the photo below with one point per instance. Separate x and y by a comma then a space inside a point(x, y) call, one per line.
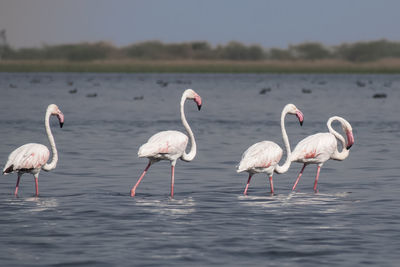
point(165, 145)
point(315, 148)
point(27, 158)
point(261, 157)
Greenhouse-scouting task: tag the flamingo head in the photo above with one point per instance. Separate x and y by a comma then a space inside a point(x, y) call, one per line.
point(191, 94)
point(54, 110)
point(292, 109)
point(349, 133)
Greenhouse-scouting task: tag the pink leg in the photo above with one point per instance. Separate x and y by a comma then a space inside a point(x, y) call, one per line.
point(298, 178)
point(133, 190)
point(247, 185)
point(36, 185)
point(172, 180)
point(16, 187)
point(316, 178)
point(271, 183)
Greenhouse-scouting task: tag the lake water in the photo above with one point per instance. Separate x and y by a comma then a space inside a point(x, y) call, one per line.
point(84, 215)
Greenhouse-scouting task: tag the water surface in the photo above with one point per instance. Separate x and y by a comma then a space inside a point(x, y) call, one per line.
point(85, 216)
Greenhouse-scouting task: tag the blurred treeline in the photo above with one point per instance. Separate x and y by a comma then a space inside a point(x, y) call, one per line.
point(155, 50)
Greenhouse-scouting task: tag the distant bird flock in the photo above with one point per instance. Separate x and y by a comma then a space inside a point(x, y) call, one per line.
point(261, 157)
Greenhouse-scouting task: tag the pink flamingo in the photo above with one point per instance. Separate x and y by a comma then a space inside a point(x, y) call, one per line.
point(170, 145)
point(263, 157)
point(31, 158)
point(320, 147)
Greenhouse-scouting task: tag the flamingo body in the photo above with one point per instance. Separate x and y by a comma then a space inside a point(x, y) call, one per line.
point(165, 145)
point(315, 149)
point(261, 157)
point(28, 158)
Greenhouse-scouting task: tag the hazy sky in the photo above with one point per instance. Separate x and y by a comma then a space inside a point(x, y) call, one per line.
point(277, 23)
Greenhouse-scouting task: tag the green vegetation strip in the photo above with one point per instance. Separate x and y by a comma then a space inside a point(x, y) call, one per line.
point(207, 66)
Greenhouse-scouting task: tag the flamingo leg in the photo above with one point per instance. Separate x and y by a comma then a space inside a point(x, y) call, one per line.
point(172, 180)
point(316, 178)
point(271, 183)
point(247, 185)
point(298, 178)
point(133, 190)
point(36, 185)
point(16, 187)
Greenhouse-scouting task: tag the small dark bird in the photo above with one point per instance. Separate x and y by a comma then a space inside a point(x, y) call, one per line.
point(265, 90)
point(361, 83)
point(379, 95)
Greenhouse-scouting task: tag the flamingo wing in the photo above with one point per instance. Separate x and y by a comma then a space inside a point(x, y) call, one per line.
point(315, 148)
point(165, 144)
point(27, 157)
point(260, 156)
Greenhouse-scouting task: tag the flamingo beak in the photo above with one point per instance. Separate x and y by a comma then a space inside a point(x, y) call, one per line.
point(300, 116)
point(350, 139)
point(197, 99)
point(60, 117)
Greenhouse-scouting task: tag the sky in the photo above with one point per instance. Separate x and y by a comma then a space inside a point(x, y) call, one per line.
point(275, 23)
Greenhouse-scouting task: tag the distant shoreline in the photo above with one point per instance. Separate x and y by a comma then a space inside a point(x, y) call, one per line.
point(386, 66)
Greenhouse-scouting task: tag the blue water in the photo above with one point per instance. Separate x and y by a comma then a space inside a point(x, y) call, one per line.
point(84, 215)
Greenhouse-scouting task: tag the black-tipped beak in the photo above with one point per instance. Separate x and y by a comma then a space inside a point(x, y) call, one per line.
point(350, 139)
point(300, 116)
point(197, 100)
point(60, 117)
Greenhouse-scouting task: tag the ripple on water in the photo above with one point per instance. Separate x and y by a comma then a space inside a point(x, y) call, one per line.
point(33, 204)
point(172, 207)
point(325, 203)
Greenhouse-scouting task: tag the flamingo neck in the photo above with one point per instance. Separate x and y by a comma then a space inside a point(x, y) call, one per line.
point(345, 152)
point(193, 148)
point(286, 165)
point(53, 163)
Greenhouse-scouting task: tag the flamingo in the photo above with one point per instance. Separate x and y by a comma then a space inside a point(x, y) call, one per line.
point(31, 158)
point(170, 145)
point(264, 156)
point(320, 147)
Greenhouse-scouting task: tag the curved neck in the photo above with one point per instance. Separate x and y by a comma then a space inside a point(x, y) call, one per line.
point(53, 163)
point(286, 165)
point(345, 152)
point(192, 153)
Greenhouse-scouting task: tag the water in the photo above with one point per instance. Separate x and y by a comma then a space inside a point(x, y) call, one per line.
point(85, 216)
